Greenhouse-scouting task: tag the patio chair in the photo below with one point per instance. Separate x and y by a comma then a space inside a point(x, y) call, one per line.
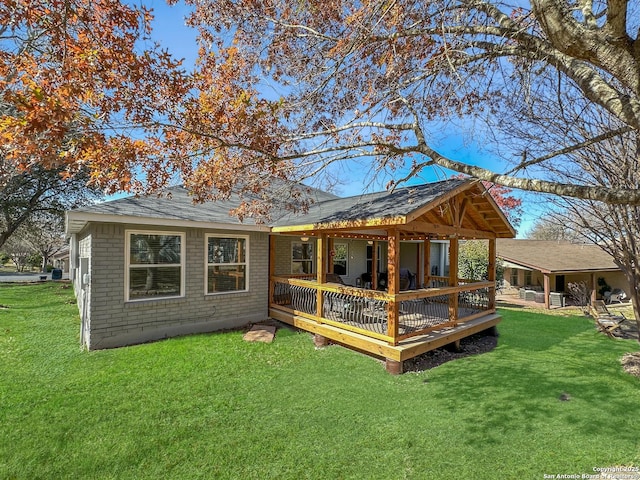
point(606, 321)
point(617, 295)
point(407, 279)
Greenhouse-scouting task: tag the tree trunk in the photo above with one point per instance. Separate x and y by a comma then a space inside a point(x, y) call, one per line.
point(634, 287)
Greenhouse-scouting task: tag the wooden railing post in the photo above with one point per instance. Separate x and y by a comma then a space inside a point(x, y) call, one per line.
point(374, 266)
point(321, 274)
point(426, 264)
point(492, 273)
point(453, 278)
point(393, 283)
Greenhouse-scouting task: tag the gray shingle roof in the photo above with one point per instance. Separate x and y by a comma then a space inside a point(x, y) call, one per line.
point(552, 256)
point(388, 204)
point(176, 208)
point(175, 205)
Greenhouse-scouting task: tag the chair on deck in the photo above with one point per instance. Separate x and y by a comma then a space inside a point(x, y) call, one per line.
point(606, 321)
point(407, 279)
point(615, 296)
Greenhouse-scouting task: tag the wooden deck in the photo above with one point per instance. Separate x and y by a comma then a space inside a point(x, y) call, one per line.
point(394, 355)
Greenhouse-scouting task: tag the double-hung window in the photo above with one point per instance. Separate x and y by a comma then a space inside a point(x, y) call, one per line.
point(301, 257)
point(154, 265)
point(227, 262)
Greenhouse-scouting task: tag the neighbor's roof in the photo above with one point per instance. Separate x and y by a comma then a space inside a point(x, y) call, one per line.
point(550, 256)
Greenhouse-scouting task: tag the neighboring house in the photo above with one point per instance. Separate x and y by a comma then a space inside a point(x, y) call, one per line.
point(154, 267)
point(60, 260)
point(548, 266)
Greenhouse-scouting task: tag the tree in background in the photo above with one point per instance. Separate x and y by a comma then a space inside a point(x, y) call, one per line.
point(288, 90)
point(372, 80)
point(611, 161)
point(473, 262)
point(548, 228)
point(39, 193)
point(45, 234)
point(20, 251)
point(80, 83)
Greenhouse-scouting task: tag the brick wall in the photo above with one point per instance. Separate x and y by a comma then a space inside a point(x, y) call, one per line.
point(115, 322)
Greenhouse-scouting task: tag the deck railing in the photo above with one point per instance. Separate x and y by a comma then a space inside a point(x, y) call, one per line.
point(368, 312)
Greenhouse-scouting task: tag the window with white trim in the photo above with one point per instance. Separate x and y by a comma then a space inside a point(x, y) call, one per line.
point(227, 263)
point(154, 265)
point(301, 257)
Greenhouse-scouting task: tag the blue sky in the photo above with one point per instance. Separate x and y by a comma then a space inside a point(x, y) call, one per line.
point(170, 31)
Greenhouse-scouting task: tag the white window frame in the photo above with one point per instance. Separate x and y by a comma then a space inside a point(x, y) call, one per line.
point(246, 263)
point(127, 261)
point(311, 260)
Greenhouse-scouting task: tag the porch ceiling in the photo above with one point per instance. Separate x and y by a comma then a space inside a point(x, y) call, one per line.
point(465, 210)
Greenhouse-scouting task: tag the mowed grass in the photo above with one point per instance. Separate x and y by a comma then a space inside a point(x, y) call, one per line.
point(214, 406)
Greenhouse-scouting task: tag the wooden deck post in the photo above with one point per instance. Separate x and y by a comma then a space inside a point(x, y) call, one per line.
point(329, 247)
point(492, 274)
point(426, 262)
point(374, 266)
point(321, 273)
point(453, 278)
point(393, 283)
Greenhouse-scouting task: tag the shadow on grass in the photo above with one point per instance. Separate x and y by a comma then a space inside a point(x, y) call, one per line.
point(550, 374)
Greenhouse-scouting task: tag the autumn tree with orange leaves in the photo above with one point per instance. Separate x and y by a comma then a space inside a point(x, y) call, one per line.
point(287, 89)
point(82, 87)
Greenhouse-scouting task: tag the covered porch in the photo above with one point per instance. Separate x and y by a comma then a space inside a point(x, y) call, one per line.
point(392, 316)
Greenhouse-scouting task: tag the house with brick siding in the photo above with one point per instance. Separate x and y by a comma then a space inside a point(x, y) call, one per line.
point(376, 272)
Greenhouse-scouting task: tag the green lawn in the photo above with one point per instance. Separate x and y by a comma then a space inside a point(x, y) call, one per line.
point(214, 406)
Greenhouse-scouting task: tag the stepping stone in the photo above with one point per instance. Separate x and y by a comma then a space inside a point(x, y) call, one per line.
point(260, 333)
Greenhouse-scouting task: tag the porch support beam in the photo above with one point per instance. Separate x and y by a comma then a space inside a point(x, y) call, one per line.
point(374, 266)
point(445, 230)
point(393, 283)
point(492, 273)
point(453, 278)
point(547, 290)
point(321, 274)
point(426, 263)
point(330, 249)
